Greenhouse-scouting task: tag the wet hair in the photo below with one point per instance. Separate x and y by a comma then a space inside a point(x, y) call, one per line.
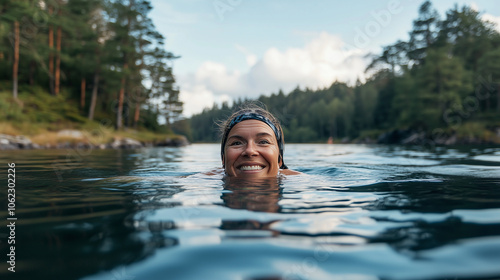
point(251, 111)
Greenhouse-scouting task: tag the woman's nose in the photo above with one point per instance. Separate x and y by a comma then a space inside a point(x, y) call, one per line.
point(250, 149)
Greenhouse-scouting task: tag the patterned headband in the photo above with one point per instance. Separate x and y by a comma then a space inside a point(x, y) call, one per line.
point(259, 117)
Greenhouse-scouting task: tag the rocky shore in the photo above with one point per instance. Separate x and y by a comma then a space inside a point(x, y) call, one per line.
point(397, 137)
point(422, 138)
point(20, 142)
point(412, 137)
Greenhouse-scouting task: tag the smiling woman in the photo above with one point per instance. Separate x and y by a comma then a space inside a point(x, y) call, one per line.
point(252, 144)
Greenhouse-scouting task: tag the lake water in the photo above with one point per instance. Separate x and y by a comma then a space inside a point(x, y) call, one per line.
point(357, 212)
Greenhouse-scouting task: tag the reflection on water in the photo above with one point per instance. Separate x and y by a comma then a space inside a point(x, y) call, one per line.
point(260, 195)
point(358, 212)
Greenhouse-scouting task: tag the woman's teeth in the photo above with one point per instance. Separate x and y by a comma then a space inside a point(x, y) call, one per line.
point(252, 167)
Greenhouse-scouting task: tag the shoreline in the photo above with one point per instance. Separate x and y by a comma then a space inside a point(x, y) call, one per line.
point(21, 142)
point(74, 139)
point(437, 138)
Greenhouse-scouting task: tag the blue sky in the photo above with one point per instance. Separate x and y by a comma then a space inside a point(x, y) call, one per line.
point(245, 48)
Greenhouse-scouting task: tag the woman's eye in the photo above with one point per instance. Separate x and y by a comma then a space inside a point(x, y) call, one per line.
point(235, 143)
point(264, 142)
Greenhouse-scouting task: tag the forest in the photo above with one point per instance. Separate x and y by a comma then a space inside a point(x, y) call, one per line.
point(443, 82)
point(87, 64)
point(83, 64)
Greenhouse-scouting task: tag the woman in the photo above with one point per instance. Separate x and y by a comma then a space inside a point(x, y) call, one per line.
point(252, 145)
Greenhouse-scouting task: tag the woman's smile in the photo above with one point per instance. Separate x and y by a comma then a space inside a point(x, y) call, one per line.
point(250, 167)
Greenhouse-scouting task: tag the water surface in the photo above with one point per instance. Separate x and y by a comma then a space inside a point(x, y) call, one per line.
point(357, 212)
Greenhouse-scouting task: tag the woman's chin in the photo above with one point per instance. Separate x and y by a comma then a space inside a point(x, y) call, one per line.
point(262, 173)
point(251, 173)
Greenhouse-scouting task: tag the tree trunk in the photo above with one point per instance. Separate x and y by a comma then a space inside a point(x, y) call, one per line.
point(51, 56)
point(498, 98)
point(126, 106)
point(138, 96)
point(32, 73)
point(121, 97)
point(58, 61)
point(136, 114)
point(82, 92)
point(2, 56)
point(15, 67)
point(93, 100)
point(487, 102)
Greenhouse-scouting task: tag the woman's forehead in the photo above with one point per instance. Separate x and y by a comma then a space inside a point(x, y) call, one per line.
point(251, 127)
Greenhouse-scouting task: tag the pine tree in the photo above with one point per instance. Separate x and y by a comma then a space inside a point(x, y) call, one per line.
point(489, 70)
point(424, 33)
point(12, 12)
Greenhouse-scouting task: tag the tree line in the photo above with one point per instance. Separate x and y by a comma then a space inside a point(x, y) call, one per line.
point(105, 56)
point(445, 78)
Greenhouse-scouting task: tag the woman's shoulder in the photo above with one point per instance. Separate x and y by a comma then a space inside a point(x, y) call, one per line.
point(289, 172)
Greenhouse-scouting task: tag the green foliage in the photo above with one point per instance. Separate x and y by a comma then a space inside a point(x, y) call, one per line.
point(37, 106)
point(182, 127)
point(113, 40)
point(303, 134)
point(305, 115)
point(204, 126)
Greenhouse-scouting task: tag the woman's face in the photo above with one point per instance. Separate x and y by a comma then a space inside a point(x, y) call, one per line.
point(251, 151)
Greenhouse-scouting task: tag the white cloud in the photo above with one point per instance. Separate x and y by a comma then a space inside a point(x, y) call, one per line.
point(487, 17)
point(198, 97)
point(474, 6)
point(318, 64)
point(493, 19)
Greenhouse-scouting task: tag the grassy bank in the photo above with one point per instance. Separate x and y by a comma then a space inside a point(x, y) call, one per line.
point(41, 117)
point(45, 134)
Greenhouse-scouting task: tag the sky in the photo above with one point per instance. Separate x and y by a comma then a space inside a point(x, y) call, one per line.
point(234, 49)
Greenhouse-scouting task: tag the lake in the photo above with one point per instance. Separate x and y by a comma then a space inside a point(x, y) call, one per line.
point(357, 212)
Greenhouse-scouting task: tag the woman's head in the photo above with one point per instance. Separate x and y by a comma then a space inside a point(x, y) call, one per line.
point(252, 143)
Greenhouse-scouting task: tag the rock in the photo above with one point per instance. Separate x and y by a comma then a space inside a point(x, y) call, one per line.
point(131, 143)
point(116, 143)
point(415, 138)
point(7, 143)
point(174, 142)
point(451, 141)
point(23, 142)
point(81, 146)
point(393, 137)
point(65, 145)
point(14, 142)
point(366, 140)
point(8, 147)
point(126, 143)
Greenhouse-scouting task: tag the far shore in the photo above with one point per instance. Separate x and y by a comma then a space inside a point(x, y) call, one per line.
point(76, 139)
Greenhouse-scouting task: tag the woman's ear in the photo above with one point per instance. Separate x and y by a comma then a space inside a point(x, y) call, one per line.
point(280, 161)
